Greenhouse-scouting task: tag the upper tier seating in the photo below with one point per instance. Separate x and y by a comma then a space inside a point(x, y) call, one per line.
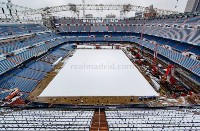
point(8, 30)
point(183, 29)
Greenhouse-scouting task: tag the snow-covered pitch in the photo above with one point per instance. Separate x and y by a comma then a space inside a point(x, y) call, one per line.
point(104, 72)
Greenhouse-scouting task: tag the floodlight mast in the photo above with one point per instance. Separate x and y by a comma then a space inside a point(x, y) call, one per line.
point(11, 11)
point(9, 6)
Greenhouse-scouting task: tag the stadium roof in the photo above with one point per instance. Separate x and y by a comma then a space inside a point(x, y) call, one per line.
point(160, 4)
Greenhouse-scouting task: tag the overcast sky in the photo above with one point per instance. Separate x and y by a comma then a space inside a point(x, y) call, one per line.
point(161, 4)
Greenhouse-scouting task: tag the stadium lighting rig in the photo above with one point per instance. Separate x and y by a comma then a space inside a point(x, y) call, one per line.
point(9, 10)
point(122, 8)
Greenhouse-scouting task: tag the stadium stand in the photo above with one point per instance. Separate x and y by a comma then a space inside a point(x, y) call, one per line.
point(164, 50)
point(178, 29)
point(46, 120)
point(39, 66)
point(10, 30)
point(153, 119)
point(32, 52)
point(15, 53)
point(117, 119)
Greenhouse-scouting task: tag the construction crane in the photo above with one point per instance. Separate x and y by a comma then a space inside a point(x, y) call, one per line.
point(11, 11)
point(13, 97)
point(170, 70)
point(10, 90)
point(172, 83)
point(150, 12)
point(9, 6)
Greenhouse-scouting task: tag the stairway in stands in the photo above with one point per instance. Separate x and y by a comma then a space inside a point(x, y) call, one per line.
point(99, 125)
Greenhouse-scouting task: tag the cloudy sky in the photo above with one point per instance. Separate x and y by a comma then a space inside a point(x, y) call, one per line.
point(161, 4)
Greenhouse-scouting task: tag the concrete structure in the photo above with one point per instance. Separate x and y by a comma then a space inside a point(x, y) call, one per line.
point(138, 14)
point(192, 5)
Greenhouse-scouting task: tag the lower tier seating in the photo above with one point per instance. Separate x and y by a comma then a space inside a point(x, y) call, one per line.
point(50, 120)
point(153, 119)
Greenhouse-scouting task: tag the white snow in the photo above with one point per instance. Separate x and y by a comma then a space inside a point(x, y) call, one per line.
point(92, 47)
point(93, 72)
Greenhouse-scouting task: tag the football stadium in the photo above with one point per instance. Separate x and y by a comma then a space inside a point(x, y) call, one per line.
point(99, 65)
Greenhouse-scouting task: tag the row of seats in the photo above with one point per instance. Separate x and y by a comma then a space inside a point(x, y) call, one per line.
point(7, 30)
point(40, 66)
point(9, 47)
point(23, 84)
point(178, 34)
point(46, 120)
point(178, 46)
point(54, 56)
point(153, 119)
point(31, 74)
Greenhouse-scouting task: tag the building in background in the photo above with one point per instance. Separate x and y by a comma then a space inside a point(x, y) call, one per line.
point(138, 14)
point(89, 16)
point(110, 16)
point(192, 6)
